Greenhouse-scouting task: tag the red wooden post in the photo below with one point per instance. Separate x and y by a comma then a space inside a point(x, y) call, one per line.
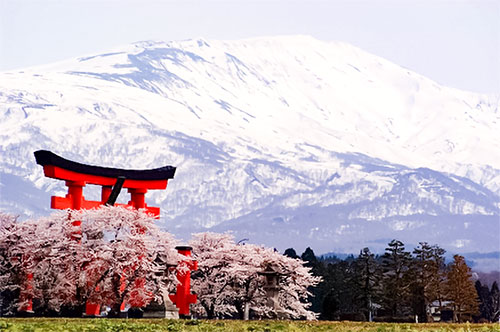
point(75, 193)
point(92, 309)
point(105, 192)
point(183, 297)
point(27, 307)
point(75, 197)
point(137, 197)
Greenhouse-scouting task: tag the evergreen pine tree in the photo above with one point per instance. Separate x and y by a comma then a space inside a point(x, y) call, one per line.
point(483, 294)
point(460, 289)
point(366, 280)
point(395, 280)
point(494, 301)
point(339, 291)
point(438, 288)
point(317, 269)
point(309, 257)
point(290, 252)
point(428, 279)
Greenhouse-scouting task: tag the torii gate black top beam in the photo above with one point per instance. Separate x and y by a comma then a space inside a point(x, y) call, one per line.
point(77, 175)
point(44, 157)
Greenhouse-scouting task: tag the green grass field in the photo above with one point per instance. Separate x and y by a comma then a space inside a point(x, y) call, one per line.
point(153, 325)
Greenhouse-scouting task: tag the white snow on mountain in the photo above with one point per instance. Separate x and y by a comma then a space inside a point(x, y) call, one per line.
point(289, 141)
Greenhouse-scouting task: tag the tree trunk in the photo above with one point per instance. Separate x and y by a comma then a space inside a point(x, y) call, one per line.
point(246, 313)
point(370, 316)
point(210, 312)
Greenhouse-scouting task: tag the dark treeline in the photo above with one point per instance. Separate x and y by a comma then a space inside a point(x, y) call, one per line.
point(400, 286)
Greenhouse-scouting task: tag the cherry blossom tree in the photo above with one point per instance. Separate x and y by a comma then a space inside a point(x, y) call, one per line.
point(10, 260)
point(115, 256)
point(229, 279)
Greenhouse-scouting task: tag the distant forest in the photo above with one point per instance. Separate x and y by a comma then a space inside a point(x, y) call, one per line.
point(401, 286)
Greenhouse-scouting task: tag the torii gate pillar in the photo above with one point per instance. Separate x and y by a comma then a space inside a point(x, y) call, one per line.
point(183, 297)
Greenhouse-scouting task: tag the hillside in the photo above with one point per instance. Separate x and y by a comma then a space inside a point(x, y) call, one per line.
point(288, 141)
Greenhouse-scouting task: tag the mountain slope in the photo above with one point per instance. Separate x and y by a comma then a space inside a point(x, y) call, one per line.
point(321, 141)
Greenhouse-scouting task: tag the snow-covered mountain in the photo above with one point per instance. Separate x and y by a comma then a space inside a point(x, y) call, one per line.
point(287, 141)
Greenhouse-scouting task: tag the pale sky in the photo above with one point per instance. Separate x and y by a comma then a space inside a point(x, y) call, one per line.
point(456, 43)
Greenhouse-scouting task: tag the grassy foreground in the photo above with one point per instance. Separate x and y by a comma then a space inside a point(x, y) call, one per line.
point(153, 325)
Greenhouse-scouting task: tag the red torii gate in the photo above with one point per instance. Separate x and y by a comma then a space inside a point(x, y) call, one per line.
point(138, 182)
point(77, 175)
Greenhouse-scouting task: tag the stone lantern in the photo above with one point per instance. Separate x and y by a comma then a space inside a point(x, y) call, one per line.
point(271, 286)
point(167, 309)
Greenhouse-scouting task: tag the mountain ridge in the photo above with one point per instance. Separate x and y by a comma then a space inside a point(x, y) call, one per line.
point(261, 131)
